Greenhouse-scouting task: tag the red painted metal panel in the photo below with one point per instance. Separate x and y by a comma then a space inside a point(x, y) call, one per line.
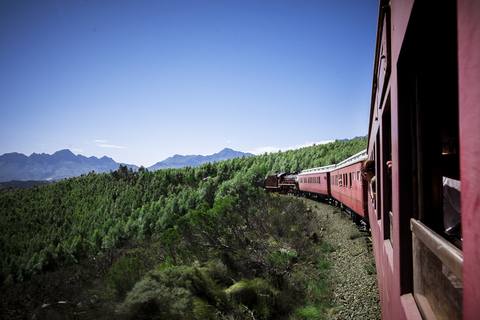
point(394, 266)
point(318, 183)
point(352, 189)
point(469, 109)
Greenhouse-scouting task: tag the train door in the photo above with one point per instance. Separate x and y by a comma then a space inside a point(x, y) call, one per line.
point(429, 154)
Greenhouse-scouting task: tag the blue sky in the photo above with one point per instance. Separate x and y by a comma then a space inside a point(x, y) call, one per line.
point(142, 80)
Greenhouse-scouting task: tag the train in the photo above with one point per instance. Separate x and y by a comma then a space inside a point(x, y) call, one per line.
point(338, 184)
point(423, 210)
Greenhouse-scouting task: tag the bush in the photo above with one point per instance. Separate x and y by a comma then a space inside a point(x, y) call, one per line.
point(257, 294)
point(124, 274)
point(173, 292)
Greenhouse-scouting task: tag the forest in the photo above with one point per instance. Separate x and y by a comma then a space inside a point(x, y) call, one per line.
point(194, 243)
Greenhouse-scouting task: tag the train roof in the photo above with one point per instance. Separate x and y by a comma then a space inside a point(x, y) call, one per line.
point(318, 170)
point(361, 156)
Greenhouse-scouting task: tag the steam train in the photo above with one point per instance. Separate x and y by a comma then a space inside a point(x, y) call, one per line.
point(283, 183)
point(425, 121)
point(339, 184)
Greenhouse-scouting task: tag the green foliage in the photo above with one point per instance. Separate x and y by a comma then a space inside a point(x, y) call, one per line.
point(371, 268)
point(282, 257)
point(57, 224)
point(328, 247)
point(176, 292)
point(124, 274)
point(309, 313)
point(356, 235)
point(257, 294)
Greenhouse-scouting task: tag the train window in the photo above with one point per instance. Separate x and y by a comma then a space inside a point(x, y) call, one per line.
point(428, 137)
point(386, 155)
point(350, 174)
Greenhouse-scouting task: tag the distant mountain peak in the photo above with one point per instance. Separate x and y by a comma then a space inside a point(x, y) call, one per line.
point(64, 154)
point(179, 161)
point(64, 151)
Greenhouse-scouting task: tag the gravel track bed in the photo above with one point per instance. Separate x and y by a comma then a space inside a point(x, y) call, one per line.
point(353, 276)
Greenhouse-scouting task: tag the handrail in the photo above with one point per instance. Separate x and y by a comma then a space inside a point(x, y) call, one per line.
point(450, 255)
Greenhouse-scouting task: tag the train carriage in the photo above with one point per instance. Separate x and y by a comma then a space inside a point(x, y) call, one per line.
point(348, 187)
point(341, 183)
point(316, 182)
point(425, 119)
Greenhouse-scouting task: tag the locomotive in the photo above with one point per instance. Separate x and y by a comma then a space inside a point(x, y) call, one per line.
point(283, 183)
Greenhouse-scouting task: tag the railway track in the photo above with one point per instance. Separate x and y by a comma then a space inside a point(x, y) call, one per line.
point(353, 277)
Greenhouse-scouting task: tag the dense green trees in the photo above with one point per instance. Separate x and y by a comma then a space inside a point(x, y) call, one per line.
point(47, 227)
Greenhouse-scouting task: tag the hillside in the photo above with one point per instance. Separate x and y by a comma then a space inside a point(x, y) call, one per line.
point(208, 226)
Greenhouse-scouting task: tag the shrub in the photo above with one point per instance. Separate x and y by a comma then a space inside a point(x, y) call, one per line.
point(124, 274)
point(257, 294)
point(173, 292)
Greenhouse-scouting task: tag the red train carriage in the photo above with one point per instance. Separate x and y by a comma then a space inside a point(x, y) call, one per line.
point(348, 187)
point(425, 118)
point(341, 182)
point(316, 182)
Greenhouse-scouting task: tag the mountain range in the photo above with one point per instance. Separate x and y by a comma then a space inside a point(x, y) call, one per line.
point(65, 164)
point(178, 161)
